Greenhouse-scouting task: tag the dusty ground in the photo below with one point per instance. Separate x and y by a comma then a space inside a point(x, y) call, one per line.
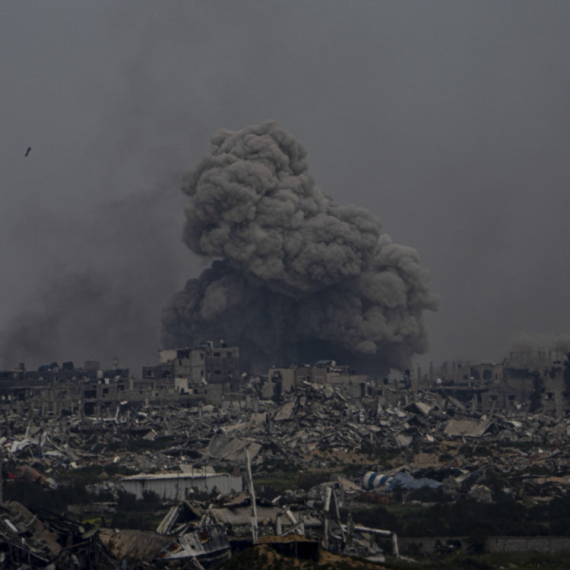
point(262, 557)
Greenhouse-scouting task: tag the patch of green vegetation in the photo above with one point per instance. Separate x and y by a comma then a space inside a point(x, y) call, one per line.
point(118, 469)
point(403, 509)
point(505, 517)
point(279, 481)
point(429, 495)
point(137, 521)
point(275, 476)
point(92, 474)
point(34, 495)
point(382, 517)
point(143, 514)
point(354, 470)
point(278, 466)
point(269, 485)
point(378, 454)
point(308, 480)
point(84, 475)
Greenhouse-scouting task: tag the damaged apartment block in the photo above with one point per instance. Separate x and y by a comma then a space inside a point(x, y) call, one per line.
point(525, 381)
point(192, 368)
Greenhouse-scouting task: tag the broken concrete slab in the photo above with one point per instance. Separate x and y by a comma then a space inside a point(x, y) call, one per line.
point(466, 428)
point(232, 449)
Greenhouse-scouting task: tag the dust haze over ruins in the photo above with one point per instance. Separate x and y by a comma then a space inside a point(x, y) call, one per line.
point(297, 275)
point(271, 284)
point(459, 145)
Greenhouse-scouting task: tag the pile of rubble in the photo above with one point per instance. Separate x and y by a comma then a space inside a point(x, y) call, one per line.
point(46, 540)
point(315, 427)
point(428, 440)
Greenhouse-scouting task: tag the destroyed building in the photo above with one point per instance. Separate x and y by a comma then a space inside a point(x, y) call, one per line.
point(93, 392)
point(53, 373)
point(427, 439)
point(323, 372)
point(523, 382)
point(192, 367)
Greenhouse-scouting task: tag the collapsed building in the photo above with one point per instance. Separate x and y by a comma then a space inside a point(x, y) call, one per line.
point(186, 377)
point(193, 367)
point(205, 375)
point(210, 375)
point(524, 381)
point(322, 372)
point(200, 462)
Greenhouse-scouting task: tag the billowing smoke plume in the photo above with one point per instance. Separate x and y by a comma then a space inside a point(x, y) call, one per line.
point(300, 277)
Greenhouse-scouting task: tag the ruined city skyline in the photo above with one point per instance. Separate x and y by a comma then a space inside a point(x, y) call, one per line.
point(446, 121)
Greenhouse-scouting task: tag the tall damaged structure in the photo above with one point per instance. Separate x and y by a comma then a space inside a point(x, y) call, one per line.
point(208, 363)
point(296, 277)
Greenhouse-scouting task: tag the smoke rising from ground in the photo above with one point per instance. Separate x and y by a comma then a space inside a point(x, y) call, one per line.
point(300, 276)
point(84, 313)
point(101, 287)
point(458, 112)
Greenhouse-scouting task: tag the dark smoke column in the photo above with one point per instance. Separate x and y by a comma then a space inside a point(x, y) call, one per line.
point(300, 277)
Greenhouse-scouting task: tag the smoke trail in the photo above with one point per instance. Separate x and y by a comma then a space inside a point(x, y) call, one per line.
point(301, 276)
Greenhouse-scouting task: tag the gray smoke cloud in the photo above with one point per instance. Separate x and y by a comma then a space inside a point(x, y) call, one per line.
point(79, 314)
point(100, 292)
point(298, 276)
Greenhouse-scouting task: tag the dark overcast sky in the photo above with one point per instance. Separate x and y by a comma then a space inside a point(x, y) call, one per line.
point(450, 120)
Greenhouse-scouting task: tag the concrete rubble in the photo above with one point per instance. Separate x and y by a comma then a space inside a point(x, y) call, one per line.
point(312, 420)
point(425, 439)
point(46, 540)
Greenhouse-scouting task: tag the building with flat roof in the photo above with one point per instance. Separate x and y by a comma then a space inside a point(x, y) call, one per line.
point(206, 364)
point(181, 485)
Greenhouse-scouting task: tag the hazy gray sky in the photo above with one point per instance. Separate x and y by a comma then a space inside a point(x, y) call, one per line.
point(449, 120)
